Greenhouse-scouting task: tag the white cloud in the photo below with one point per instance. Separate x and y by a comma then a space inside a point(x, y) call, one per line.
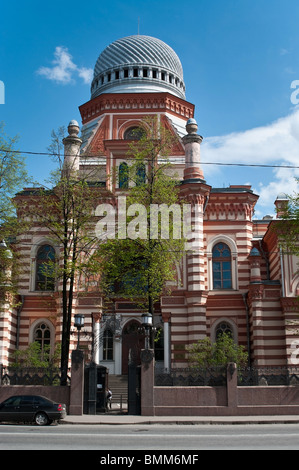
point(271, 144)
point(284, 182)
point(86, 74)
point(64, 68)
point(274, 144)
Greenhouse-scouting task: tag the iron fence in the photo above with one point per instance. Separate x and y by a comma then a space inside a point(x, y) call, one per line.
point(30, 376)
point(213, 377)
point(217, 376)
point(251, 376)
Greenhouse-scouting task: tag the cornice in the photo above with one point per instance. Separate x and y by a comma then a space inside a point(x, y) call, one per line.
point(136, 102)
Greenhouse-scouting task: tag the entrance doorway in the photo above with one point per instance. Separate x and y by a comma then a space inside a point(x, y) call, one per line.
point(132, 342)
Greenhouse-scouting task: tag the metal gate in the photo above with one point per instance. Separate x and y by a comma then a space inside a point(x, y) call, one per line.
point(134, 389)
point(95, 389)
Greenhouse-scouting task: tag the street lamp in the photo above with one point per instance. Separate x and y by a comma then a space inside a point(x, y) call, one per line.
point(147, 322)
point(79, 323)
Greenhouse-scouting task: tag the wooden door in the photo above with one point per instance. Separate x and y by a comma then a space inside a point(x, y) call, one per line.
point(133, 343)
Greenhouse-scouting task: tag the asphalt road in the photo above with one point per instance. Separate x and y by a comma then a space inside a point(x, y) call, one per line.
point(150, 437)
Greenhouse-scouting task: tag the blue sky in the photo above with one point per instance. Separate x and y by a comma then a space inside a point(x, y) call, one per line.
point(240, 58)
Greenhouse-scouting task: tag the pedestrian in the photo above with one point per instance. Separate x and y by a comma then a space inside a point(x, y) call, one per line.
point(109, 398)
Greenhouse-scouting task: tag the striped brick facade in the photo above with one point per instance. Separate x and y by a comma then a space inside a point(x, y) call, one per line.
point(8, 327)
point(260, 305)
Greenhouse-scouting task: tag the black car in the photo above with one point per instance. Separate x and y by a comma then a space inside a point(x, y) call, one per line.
point(32, 408)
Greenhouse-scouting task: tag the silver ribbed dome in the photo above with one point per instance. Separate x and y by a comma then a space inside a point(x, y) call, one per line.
point(138, 64)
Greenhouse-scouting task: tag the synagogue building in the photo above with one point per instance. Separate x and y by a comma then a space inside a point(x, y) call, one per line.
point(236, 278)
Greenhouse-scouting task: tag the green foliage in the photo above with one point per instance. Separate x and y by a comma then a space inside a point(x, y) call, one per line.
point(66, 211)
point(34, 357)
point(138, 266)
point(287, 228)
point(204, 353)
point(13, 175)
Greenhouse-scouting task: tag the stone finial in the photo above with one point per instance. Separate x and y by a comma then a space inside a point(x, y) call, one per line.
point(191, 126)
point(73, 128)
point(254, 252)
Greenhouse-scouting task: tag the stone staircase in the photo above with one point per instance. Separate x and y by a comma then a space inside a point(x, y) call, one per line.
point(118, 385)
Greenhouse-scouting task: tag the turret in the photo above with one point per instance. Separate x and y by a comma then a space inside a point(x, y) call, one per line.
point(281, 204)
point(72, 144)
point(192, 143)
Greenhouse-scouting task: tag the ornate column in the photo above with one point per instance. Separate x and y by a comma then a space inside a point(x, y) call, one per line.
point(256, 296)
point(8, 324)
point(96, 316)
point(196, 192)
point(166, 320)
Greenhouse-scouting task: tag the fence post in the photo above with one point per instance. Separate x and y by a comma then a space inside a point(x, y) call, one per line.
point(132, 372)
point(232, 385)
point(147, 382)
point(77, 383)
point(90, 389)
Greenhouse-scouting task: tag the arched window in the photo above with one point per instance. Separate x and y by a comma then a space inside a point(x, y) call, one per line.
point(42, 335)
point(123, 176)
point(223, 328)
point(133, 133)
point(108, 345)
point(140, 174)
point(45, 269)
point(222, 267)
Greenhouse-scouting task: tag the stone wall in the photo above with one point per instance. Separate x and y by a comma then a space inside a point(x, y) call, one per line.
point(229, 400)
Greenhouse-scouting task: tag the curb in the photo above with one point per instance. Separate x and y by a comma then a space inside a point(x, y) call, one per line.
point(229, 420)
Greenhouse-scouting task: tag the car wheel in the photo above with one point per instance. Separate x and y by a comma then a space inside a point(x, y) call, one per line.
point(41, 419)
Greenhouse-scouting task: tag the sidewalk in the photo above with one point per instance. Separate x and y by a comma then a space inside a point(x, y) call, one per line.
point(123, 419)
